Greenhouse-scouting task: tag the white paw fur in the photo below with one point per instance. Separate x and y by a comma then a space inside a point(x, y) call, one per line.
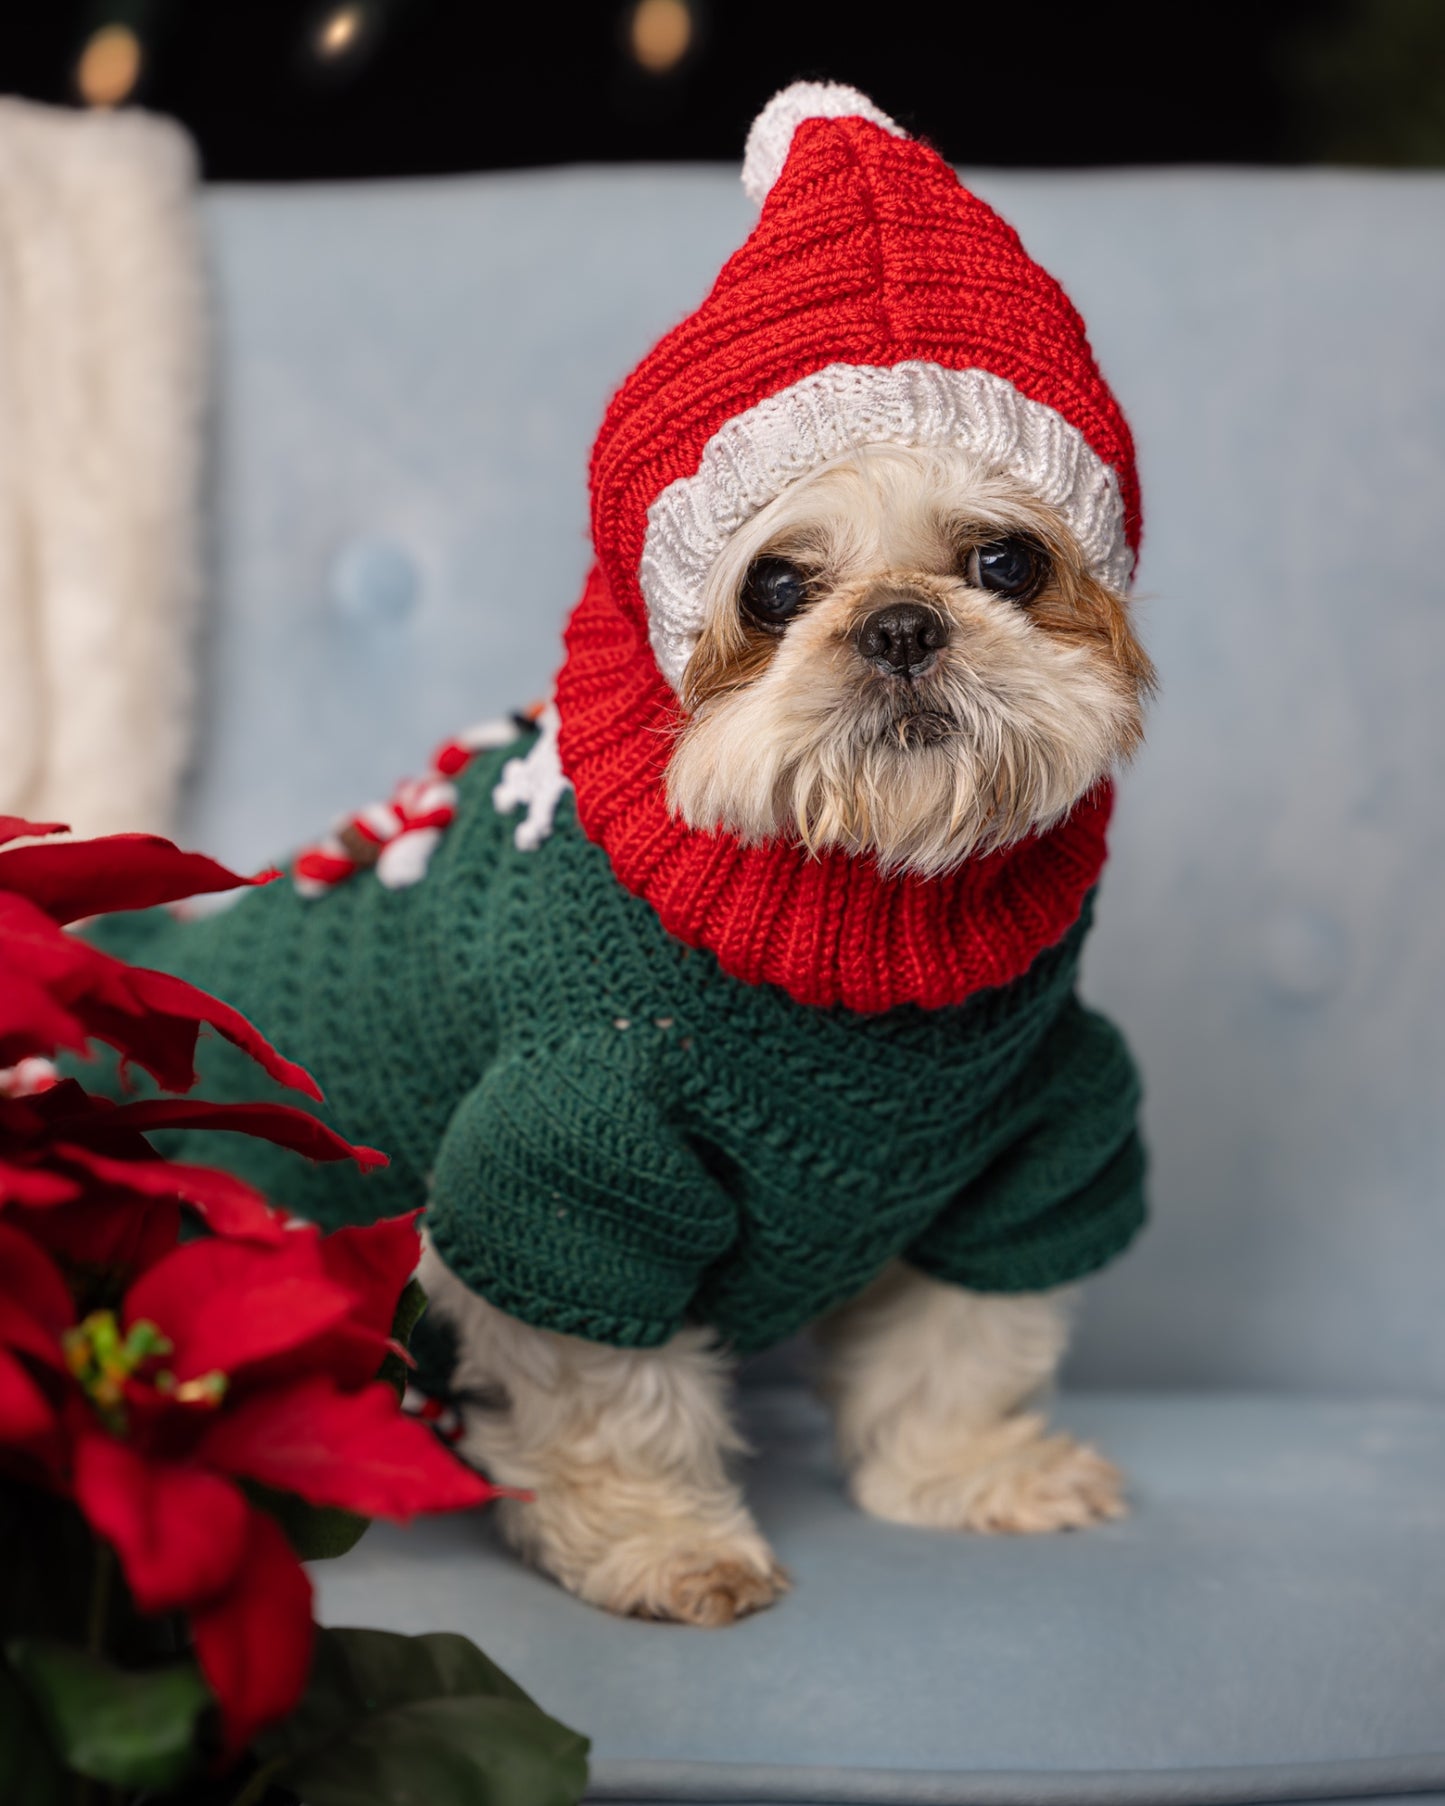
point(1014, 1477)
point(625, 1454)
point(930, 1385)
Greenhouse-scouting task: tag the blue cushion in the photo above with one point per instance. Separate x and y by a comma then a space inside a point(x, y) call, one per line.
point(1268, 1625)
point(410, 378)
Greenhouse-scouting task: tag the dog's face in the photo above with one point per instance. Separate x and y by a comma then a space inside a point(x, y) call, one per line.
point(904, 655)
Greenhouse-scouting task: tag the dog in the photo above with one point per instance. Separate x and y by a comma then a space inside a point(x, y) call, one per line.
point(904, 656)
point(733, 993)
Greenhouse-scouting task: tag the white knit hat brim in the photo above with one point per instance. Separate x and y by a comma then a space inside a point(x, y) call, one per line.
point(753, 458)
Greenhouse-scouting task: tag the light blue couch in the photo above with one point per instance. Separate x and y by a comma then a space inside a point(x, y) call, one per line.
point(409, 380)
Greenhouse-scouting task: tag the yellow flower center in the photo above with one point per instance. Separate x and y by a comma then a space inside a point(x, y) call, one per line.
point(101, 1360)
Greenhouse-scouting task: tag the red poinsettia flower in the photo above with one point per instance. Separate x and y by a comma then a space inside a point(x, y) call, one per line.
point(59, 992)
point(97, 1194)
point(80, 1174)
point(158, 1384)
point(225, 1362)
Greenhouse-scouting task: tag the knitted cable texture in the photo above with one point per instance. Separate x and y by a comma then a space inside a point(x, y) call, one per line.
point(616, 1136)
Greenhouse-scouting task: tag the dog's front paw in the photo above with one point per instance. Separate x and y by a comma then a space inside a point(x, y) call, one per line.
point(710, 1587)
point(667, 1575)
point(1014, 1477)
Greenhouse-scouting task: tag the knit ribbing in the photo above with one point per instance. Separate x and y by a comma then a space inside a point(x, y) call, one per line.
point(868, 253)
point(829, 929)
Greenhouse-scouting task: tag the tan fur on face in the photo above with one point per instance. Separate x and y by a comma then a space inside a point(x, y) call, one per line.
point(1024, 711)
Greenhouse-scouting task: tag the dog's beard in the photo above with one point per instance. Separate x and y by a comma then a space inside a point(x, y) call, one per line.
point(1000, 740)
point(1019, 715)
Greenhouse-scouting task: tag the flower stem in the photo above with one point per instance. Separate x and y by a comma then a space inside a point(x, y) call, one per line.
point(100, 1590)
point(256, 1788)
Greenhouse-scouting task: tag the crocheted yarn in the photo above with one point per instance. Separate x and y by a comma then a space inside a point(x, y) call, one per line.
point(617, 1137)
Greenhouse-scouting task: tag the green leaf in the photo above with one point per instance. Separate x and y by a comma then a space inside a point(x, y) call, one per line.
point(28, 1768)
point(388, 1718)
point(130, 1727)
point(315, 1532)
point(48, 1592)
point(409, 1309)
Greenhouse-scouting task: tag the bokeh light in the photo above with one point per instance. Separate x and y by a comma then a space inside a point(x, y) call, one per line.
point(340, 31)
point(109, 66)
point(660, 35)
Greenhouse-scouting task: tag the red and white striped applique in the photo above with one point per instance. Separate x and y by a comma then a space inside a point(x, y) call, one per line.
point(397, 838)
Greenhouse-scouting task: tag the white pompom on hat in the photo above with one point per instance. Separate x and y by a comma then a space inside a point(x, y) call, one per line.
point(771, 136)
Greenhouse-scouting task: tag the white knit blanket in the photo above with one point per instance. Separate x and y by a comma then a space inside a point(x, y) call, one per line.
point(101, 381)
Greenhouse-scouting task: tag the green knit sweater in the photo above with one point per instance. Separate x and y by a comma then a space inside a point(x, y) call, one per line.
point(613, 1137)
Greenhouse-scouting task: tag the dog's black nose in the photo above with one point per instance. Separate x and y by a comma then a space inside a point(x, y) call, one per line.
point(902, 638)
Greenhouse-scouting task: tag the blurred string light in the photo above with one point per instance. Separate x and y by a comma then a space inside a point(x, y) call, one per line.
point(340, 39)
point(660, 34)
point(111, 61)
point(339, 31)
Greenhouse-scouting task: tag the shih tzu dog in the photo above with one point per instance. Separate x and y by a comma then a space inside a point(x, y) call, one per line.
point(732, 994)
point(906, 657)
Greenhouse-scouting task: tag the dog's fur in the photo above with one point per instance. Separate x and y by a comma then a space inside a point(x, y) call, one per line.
point(791, 729)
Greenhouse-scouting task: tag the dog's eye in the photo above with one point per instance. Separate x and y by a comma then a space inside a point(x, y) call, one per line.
point(1007, 567)
point(774, 591)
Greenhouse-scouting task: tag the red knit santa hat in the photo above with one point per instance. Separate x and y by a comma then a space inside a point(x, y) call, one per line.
point(875, 302)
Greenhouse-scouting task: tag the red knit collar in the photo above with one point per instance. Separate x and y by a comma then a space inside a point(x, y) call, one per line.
point(828, 930)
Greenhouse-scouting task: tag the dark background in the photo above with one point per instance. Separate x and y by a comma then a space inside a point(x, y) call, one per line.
point(412, 86)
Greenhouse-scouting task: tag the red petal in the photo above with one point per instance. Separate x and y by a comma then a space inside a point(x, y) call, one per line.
point(229, 1206)
point(115, 871)
point(164, 1046)
point(106, 1241)
point(64, 1107)
point(68, 1110)
point(25, 1413)
point(171, 996)
point(354, 1449)
point(32, 1022)
point(374, 1262)
point(255, 1643)
point(226, 1305)
point(180, 1532)
point(15, 827)
point(31, 1280)
point(34, 1185)
point(152, 1017)
point(106, 996)
point(285, 1124)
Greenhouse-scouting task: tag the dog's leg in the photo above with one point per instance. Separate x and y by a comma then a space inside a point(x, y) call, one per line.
point(625, 1453)
point(932, 1389)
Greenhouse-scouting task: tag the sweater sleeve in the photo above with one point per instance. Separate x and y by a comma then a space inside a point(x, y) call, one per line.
point(565, 1195)
point(1064, 1193)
